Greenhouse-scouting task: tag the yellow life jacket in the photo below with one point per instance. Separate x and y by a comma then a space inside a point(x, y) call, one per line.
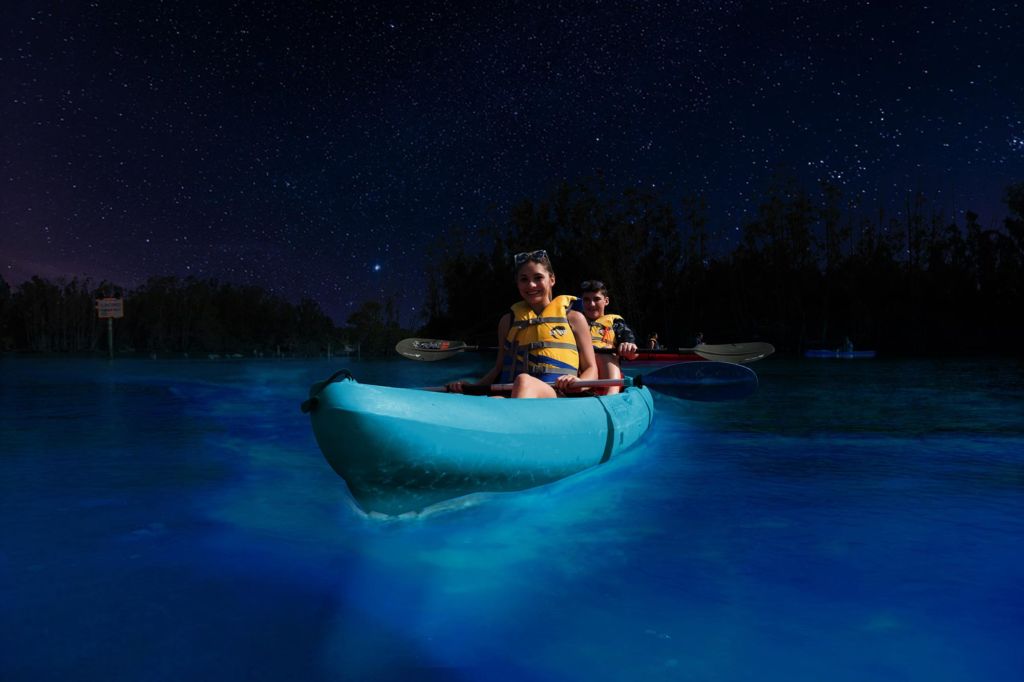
point(541, 345)
point(601, 332)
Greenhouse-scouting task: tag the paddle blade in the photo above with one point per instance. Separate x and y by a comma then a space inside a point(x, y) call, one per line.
point(429, 350)
point(705, 381)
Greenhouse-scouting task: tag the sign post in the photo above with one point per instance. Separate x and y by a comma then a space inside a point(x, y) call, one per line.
point(109, 308)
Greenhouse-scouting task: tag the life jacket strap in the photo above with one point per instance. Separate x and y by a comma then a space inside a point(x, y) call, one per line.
point(551, 344)
point(523, 324)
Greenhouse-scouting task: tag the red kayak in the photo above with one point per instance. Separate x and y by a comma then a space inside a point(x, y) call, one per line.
point(666, 355)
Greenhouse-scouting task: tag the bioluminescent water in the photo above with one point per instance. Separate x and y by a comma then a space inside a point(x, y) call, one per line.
point(175, 520)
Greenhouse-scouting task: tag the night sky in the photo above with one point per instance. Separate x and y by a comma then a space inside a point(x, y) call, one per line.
point(318, 150)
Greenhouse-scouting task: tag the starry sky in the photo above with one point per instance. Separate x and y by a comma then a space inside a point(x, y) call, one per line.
point(319, 149)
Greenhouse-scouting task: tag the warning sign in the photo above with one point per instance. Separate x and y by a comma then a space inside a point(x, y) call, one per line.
point(110, 307)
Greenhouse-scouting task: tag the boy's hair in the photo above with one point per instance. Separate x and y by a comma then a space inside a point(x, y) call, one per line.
point(594, 285)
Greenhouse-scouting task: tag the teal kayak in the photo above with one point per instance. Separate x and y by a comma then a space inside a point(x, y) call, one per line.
point(401, 450)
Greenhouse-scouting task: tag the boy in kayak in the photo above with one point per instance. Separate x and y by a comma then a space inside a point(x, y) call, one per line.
point(544, 346)
point(606, 331)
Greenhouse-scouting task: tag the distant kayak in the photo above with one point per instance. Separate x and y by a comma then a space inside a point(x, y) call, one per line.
point(401, 449)
point(842, 354)
point(740, 353)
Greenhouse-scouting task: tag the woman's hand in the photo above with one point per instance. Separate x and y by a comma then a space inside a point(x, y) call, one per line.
point(455, 386)
point(564, 384)
point(627, 350)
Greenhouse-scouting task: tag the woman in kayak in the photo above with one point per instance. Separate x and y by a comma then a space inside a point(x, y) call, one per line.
point(544, 347)
point(606, 331)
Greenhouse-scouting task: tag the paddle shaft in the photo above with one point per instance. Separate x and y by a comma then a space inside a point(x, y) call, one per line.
point(699, 380)
point(694, 380)
point(495, 389)
point(431, 350)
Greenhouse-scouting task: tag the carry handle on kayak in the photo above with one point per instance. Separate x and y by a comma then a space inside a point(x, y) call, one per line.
point(311, 403)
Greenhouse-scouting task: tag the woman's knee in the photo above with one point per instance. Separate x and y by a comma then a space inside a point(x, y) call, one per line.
point(526, 386)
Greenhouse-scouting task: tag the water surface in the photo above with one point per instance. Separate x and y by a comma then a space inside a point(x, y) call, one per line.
point(854, 520)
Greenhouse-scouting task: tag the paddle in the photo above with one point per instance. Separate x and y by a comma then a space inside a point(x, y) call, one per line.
point(706, 381)
point(431, 350)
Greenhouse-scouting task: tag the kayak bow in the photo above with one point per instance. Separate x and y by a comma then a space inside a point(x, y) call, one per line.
point(400, 450)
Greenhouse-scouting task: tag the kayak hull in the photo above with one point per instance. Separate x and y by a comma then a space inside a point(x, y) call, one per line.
point(666, 356)
point(739, 353)
point(400, 450)
point(842, 354)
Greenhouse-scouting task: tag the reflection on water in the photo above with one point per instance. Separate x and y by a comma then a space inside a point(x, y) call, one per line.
point(852, 521)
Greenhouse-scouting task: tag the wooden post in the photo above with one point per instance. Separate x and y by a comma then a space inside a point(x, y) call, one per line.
point(109, 308)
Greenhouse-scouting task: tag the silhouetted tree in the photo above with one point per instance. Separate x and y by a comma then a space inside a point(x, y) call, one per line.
point(166, 315)
point(375, 327)
point(808, 269)
point(6, 339)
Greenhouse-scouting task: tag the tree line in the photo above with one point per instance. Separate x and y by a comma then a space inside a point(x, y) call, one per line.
point(191, 315)
point(807, 269)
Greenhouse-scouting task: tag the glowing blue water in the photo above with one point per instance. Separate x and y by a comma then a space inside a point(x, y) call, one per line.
point(857, 520)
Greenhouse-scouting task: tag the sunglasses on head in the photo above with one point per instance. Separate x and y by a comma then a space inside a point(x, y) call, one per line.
point(592, 285)
point(521, 258)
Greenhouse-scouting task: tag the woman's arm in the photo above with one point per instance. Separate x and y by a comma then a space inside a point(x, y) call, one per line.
point(588, 367)
point(581, 329)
